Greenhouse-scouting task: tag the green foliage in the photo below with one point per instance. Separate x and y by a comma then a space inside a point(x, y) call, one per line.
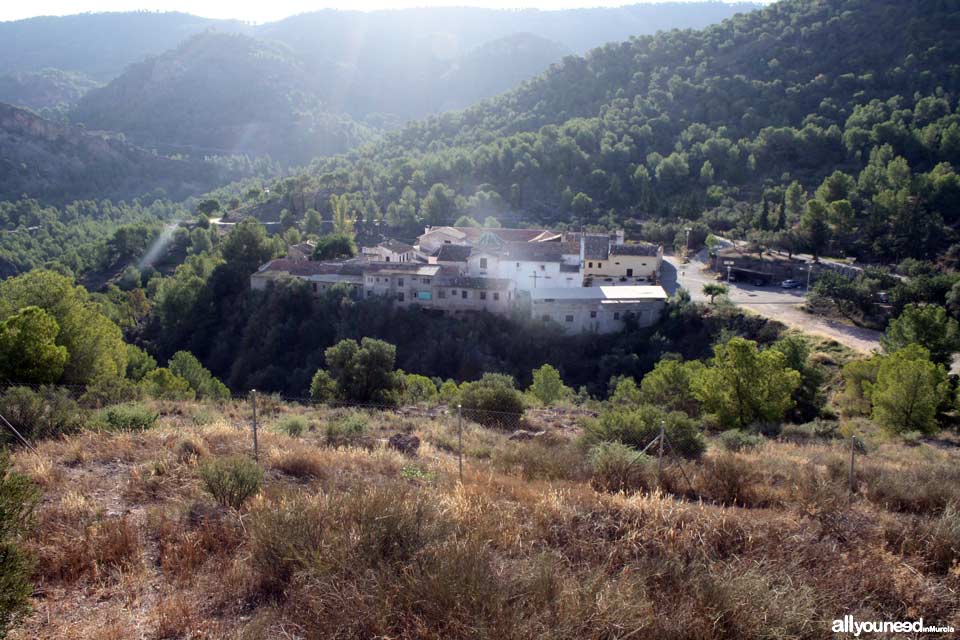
point(624, 391)
point(94, 343)
point(347, 431)
point(415, 389)
point(293, 426)
point(335, 246)
point(449, 393)
point(808, 397)
point(547, 386)
point(363, 372)
point(743, 385)
point(231, 480)
point(323, 388)
point(162, 384)
point(928, 326)
point(637, 427)
point(28, 349)
point(129, 417)
point(714, 289)
point(858, 376)
point(45, 413)
point(670, 386)
point(909, 390)
point(139, 363)
point(736, 440)
point(492, 401)
point(183, 364)
point(18, 498)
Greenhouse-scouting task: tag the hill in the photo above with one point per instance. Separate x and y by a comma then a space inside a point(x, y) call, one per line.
point(713, 126)
point(98, 45)
point(223, 94)
point(59, 163)
point(50, 92)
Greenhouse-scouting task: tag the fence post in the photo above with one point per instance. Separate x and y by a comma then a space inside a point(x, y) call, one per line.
point(460, 440)
point(660, 450)
point(853, 449)
point(256, 447)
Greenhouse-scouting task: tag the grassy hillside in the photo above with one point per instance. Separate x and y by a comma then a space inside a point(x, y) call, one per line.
point(760, 543)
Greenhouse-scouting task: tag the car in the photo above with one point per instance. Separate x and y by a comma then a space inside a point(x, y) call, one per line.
point(790, 284)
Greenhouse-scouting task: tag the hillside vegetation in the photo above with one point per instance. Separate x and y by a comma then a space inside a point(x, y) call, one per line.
point(736, 126)
point(132, 540)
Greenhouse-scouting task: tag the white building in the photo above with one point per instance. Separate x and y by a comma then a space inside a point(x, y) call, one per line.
point(598, 309)
point(390, 251)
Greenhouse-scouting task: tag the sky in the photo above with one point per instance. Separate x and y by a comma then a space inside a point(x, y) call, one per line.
point(267, 11)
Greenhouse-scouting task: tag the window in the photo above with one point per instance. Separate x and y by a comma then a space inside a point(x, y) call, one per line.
point(369, 280)
point(388, 259)
point(496, 295)
point(590, 265)
point(425, 280)
point(616, 315)
point(599, 265)
point(453, 292)
point(413, 279)
point(463, 294)
point(629, 272)
point(543, 267)
point(546, 317)
point(400, 296)
point(442, 294)
point(483, 263)
point(369, 294)
point(399, 282)
point(518, 265)
point(314, 287)
point(569, 318)
point(483, 295)
point(593, 314)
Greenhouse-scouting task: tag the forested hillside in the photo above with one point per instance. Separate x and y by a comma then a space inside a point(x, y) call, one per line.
point(60, 163)
point(98, 45)
point(222, 94)
point(50, 92)
point(737, 126)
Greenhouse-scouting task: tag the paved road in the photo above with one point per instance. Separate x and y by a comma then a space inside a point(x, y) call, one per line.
point(771, 302)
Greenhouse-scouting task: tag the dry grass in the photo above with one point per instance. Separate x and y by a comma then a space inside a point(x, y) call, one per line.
point(350, 543)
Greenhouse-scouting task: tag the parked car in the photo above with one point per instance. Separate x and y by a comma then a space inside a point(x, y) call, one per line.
point(790, 284)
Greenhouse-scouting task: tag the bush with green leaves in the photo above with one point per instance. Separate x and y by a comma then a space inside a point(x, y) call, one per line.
point(492, 401)
point(909, 391)
point(639, 426)
point(47, 412)
point(185, 365)
point(738, 440)
point(18, 497)
point(162, 384)
point(231, 480)
point(128, 417)
point(347, 431)
point(547, 386)
point(293, 426)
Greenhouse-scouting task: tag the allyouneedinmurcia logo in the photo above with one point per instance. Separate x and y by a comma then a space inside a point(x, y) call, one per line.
point(848, 624)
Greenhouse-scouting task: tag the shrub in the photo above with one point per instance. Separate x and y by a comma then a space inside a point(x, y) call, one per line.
point(163, 384)
point(128, 417)
point(190, 450)
point(347, 431)
point(492, 401)
point(617, 467)
point(301, 464)
point(108, 390)
point(18, 498)
point(737, 440)
point(47, 413)
point(638, 427)
point(540, 461)
point(232, 480)
point(294, 426)
point(942, 540)
point(283, 538)
point(727, 478)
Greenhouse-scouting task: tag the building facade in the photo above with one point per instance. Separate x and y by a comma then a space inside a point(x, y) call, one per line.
point(598, 309)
